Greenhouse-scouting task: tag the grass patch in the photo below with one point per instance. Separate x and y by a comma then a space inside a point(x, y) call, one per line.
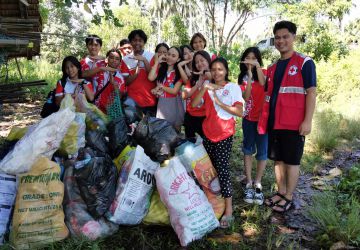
point(338, 217)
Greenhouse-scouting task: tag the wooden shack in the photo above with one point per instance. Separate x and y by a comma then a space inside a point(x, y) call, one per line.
point(20, 27)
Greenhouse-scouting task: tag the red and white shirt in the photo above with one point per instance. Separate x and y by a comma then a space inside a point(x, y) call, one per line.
point(169, 82)
point(88, 64)
point(200, 109)
point(107, 94)
point(219, 124)
point(256, 100)
point(69, 87)
point(140, 88)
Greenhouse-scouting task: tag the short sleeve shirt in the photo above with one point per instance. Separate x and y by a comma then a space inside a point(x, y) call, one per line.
point(200, 109)
point(256, 100)
point(140, 88)
point(69, 88)
point(219, 124)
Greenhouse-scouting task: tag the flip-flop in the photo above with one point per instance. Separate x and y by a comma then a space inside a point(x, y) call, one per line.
point(228, 221)
point(270, 200)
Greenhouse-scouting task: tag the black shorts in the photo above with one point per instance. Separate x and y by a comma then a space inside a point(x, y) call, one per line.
point(286, 146)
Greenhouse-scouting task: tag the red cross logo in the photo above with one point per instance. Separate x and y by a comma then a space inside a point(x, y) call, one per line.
point(293, 70)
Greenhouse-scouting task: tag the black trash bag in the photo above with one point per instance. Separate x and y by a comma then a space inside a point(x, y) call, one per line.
point(97, 178)
point(96, 140)
point(118, 136)
point(158, 138)
point(132, 111)
point(5, 147)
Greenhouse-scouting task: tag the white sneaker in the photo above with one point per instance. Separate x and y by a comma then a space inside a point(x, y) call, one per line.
point(249, 193)
point(258, 197)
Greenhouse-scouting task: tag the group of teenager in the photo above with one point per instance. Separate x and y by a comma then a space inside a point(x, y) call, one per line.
point(190, 87)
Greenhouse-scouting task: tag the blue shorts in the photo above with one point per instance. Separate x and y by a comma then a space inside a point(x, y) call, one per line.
point(252, 139)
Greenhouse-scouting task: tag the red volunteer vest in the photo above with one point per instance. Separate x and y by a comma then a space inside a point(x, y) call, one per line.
point(290, 104)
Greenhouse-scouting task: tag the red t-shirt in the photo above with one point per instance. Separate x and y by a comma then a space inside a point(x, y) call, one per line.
point(107, 95)
point(69, 87)
point(169, 82)
point(256, 100)
point(87, 64)
point(219, 124)
point(200, 109)
point(140, 88)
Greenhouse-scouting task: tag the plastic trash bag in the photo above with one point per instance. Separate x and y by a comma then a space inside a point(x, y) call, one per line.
point(118, 136)
point(96, 139)
point(77, 218)
point(195, 159)
point(191, 214)
point(8, 187)
point(97, 183)
point(123, 156)
point(158, 138)
point(43, 140)
point(135, 186)
point(95, 118)
point(16, 133)
point(131, 111)
point(67, 102)
point(38, 215)
point(6, 147)
point(158, 214)
point(74, 138)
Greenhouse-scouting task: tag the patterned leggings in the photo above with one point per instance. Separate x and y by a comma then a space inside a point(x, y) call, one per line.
point(219, 153)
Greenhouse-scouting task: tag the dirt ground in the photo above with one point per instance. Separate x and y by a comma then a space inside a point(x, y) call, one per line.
point(18, 114)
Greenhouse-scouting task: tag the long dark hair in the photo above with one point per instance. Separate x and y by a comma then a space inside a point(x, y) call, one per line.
point(243, 68)
point(223, 61)
point(164, 67)
point(74, 61)
point(194, 77)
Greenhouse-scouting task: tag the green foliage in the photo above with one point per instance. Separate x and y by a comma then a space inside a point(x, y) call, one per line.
point(174, 31)
point(35, 70)
point(350, 183)
point(315, 20)
point(339, 84)
point(338, 218)
point(326, 131)
point(69, 30)
point(130, 17)
point(352, 31)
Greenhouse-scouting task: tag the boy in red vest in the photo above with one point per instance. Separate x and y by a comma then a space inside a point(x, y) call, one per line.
point(287, 113)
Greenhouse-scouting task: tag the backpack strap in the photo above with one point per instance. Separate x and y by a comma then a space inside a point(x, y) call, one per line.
point(101, 90)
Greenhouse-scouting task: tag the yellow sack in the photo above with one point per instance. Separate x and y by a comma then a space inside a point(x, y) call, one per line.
point(38, 214)
point(74, 138)
point(158, 213)
point(16, 133)
point(123, 156)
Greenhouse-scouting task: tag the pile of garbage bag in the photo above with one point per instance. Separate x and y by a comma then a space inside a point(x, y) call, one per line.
point(80, 173)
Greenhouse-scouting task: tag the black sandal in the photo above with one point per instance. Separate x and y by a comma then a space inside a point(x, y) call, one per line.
point(272, 203)
point(285, 207)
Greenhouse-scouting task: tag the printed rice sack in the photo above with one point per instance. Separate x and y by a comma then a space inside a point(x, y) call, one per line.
point(135, 186)
point(43, 140)
point(8, 188)
point(191, 214)
point(38, 215)
point(77, 217)
point(195, 158)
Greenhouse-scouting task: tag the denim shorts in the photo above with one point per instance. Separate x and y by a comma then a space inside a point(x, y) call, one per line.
point(253, 142)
